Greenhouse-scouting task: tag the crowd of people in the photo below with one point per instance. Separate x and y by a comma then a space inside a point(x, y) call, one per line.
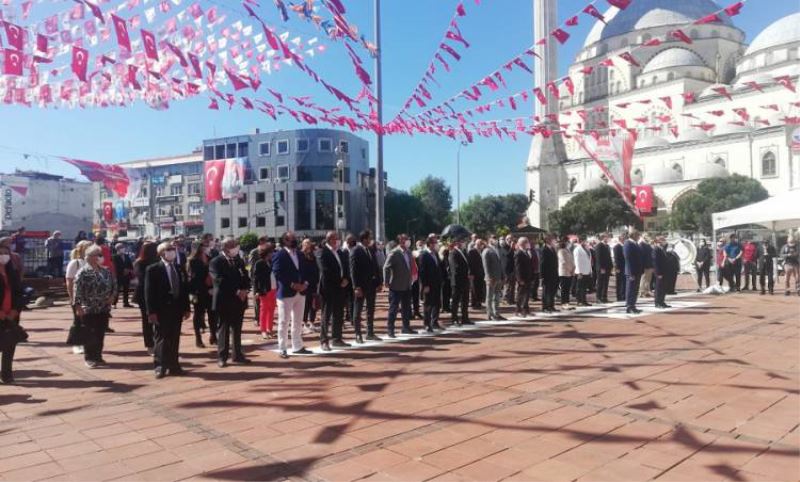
point(212, 281)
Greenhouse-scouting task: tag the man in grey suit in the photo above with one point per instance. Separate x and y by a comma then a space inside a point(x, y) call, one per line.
point(399, 272)
point(495, 274)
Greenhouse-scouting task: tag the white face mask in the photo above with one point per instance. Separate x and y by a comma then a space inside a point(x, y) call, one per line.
point(233, 252)
point(4, 259)
point(170, 255)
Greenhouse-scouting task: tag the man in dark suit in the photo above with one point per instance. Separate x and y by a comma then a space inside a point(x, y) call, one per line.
point(231, 285)
point(349, 294)
point(619, 267)
point(366, 276)
point(536, 265)
point(661, 270)
point(167, 301)
point(460, 278)
point(123, 267)
point(332, 284)
point(549, 273)
point(603, 267)
point(634, 267)
point(523, 272)
point(288, 266)
point(478, 283)
point(702, 264)
point(430, 280)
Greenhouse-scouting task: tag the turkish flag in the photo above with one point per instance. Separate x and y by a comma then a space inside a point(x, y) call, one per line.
point(12, 64)
point(644, 198)
point(734, 9)
point(80, 62)
point(121, 28)
point(786, 81)
point(592, 10)
point(41, 43)
point(680, 35)
point(628, 57)
point(108, 211)
point(150, 47)
point(560, 35)
point(14, 34)
point(214, 171)
point(620, 4)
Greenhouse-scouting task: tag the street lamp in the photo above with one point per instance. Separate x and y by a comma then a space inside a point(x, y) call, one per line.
point(340, 218)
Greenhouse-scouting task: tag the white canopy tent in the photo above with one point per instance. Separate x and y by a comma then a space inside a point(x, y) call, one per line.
point(776, 213)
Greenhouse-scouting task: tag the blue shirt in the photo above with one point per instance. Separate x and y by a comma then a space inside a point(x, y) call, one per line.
point(732, 250)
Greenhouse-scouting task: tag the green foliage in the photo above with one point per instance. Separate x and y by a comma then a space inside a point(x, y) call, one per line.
point(592, 211)
point(404, 213)
point(692, 212)
point(248, 241)
point(435, 196)
point(492, 214)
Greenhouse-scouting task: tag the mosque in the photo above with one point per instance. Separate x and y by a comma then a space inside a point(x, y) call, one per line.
point(709, 108)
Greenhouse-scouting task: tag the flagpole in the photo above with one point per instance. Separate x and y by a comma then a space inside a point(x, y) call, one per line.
point(380, 233)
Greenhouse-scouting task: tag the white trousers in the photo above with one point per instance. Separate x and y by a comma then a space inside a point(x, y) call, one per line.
point(290, 312)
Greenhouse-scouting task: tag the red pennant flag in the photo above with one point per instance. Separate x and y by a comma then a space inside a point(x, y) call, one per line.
point(621, 122)
point(786, 81)
point(667, 101)
point(734, 9)
point(150, 47)
point(455, 34)
point(592, 10)
point(754, 85)
point(688, 97)
point(606, 63)
point(653, 42)
point(460, 10)
point(132, 70)
point(771, 107)
point(705, 126)
point(80, 62)
point(108, 211)
point(620, 4)
point(41, 43)
point(214, 171)
point(551, 86)
point(674, 131)
point(14, 34)
point(711, 18)
point(95, 11)
point(121, 29)
point(680, 35)
point(214, 105)
point(628, 57)
point(717, 113)
point(742, 112)
point(236, 81)
point(644, 198)
point(623, 105)
point(723, 92)
point(519, 63)
point(540, 95)
point(587, 70)
point(12, 62)
point(450, 51)
point(195, 61)
point(570, 85)
point(572, 21)
point(560, 35)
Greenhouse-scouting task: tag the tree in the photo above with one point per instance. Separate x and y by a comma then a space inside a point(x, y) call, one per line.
point(692, 212)
point(593, 211)
point(248, 241)
point(492, 214)
point(404, 214)
point(434, 194)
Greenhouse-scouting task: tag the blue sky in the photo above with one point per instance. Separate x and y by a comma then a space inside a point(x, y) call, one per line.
point(497, 30)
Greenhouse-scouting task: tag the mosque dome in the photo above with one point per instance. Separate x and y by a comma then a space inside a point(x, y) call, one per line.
point(653, 141)
point(707, 170)
point(674, 57)
point(589, 183)
point(782, 32)
point(661, 174)
point(644, 14)
point(691, 134)
point(728, 128)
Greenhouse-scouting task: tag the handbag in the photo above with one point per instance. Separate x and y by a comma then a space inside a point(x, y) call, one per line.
point(11, 335)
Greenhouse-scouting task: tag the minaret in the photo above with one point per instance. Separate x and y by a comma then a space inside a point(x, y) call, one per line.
point(543, 180)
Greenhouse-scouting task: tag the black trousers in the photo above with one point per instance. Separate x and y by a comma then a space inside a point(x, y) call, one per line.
point(661, 290)
point(431, 305)
point(602, 285)
point(632, 291)
point(167, 334)
point(124, 289)
point(566, 285)
point(415, 296)
point(446, 297)
point(621, 282)
point(147, 327)
point(523, 296)
point(736, 273)
point(349, 299)
point(582, 286)
point(399, 301)
point(459, 304)
point(95, 326)
point(7, 361)
point(703, 272)
point(202, 311)
point(56, 266)
point(511, 289)
point(549, 290)
point(478, 293)
point(769, 279)
point(309, 313)
point(535, 287)
point(358, 308)
point(332, 315)
point(230, 326)
point(750, 272)
point(256, 309)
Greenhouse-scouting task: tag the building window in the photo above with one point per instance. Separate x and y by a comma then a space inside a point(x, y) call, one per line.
point(280, 196)
point(261, 197)
point(242, 222)
point(302, 214)
point(208, 153)
point(159, 191)
point(195, 209)
point(678, 170)
point(194, 189)
point(225, 202)
point(344, 147)
point(261, 221)
point(225, 223)
point(283, 147)
point(325, 210)
point(219, 151)
point(573, 183)
point(243, 149)
point(163, 211)
point(302, 145)
point(363, 153)
point(263, 148)
point(280, 220)
point(318, 173)
point(177, 210)
point(720, 161)
point(769, 165)
point(325, 145)
point(263, 174)
point(175, 190)
point(283, 173)
point(243, 198)
point(230, 151)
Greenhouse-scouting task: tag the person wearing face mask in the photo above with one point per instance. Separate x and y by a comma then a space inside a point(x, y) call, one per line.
point(619, 267)
point(148, 255)
point(288, 266)
point(10, 306)
point(366, 275)
point(200, 291)
point(660, 272)
point(478, 282)
point(108, 263)
point(399, 273)
point(702, 265)
point(766, 266)
point(229, 301)
point(167, 301)
point(333, 281)
point(430, 279)
point(460, 278)
point(123, 267)
point(252, 258)
point(791, 265)
point(95, 289)
point(549, 273)
point(494, 274)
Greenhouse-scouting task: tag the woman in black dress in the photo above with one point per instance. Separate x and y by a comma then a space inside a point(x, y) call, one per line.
point(200, 286)
point(147, 255)
point(10, 307)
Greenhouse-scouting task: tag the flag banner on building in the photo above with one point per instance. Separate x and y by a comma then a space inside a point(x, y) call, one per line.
point(213, 172)
point(119, 209)
point(114, 178)
point(108, 211)
point(233, 178)
point(17, 185)
point(613, 154)
point(135, 185)
point(644, 199)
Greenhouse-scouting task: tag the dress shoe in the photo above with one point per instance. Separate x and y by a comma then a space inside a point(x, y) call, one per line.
point(359, 340)
point(243, 360)
point(665, 306)
point(391, 334)
point(763, 292)
point(303, 351)
point(468, 322)
point(437, 326)
point(634, 311)
point(127, 305)
point(212, 340)
point(374, 337)
point(159, 374)
point(325, 346)
point(110, 330)
point(408, 331)
point(222, 363)
point(429, 329)
point(102, 362)
point(150, 350)
point(199, 343)
point(7, 379)
point(500, 318)
point(340, 344)
point(178, 372)
point(284, 355)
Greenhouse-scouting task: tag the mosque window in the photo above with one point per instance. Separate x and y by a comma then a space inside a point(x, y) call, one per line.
point(637, 173)
point(671, 76)
point(646, 37)
point(769, 165)
point(719, 161)
point(678, 170)
point(573, 183)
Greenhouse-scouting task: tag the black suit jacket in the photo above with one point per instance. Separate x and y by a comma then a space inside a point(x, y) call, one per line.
point(430, 272)
point(159, 296)
point(475, 264)
point(198, 276)
point(459, 269)
point(549, 265)
point(262, 277)
point(619, 258)
point(364, 270)
point(603, 258)
point(229, 277)
point(331, 274)
point(523, 267)
point(661, 265)
point(122, 262)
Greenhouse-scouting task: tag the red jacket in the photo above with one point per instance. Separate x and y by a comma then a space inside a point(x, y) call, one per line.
point(750, 252)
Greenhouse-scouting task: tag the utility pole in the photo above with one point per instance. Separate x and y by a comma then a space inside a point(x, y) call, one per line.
point(380, 227)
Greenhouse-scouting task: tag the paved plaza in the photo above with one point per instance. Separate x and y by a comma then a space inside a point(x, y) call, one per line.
point(707, 391)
